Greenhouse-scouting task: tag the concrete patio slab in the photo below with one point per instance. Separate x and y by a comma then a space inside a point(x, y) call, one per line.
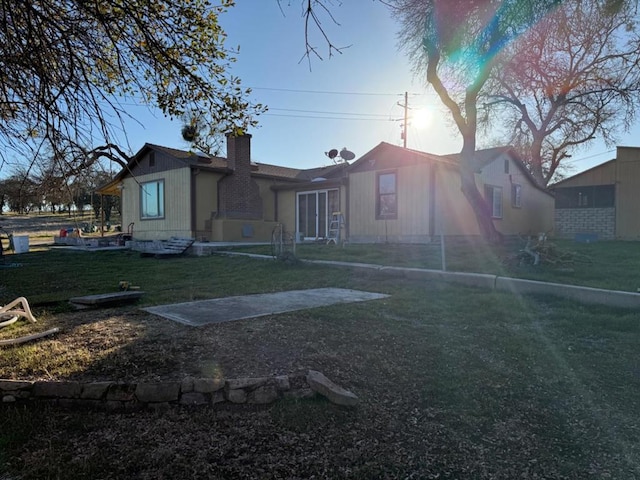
point(249, 306)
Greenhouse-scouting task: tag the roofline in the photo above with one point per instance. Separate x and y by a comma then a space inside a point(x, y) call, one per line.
point(523, 168)
point(425, 155)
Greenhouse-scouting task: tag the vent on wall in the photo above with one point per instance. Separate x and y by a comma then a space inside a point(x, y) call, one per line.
point(247, 230)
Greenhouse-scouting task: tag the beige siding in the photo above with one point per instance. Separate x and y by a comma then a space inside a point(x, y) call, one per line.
point(177, 212)
point(412, 223)
point(454, 214)
point(287, 209)
point(604, 174)
point(627, 194)
point(268, 199)
point(536, 212)
point(206, 202)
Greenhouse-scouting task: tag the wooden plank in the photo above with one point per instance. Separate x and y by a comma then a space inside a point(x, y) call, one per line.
point(173, 246)
point(107, 298)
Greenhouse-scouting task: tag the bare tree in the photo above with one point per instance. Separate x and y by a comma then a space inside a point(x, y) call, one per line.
point(458, 43)
point(68, 69)
point(21, 193)
point(574, 77)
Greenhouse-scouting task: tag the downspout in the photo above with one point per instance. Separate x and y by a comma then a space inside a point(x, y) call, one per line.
point(192, 201)
point(275, 205)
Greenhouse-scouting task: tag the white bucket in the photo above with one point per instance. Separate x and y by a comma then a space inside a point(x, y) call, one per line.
point(20, 244)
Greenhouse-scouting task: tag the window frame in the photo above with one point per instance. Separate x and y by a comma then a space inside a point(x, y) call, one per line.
point(322, 221)
point(379, 196)
point(490, 197)
point(516, 195)
point(159, 201)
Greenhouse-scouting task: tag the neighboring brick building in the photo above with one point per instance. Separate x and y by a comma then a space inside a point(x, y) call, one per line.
point(602, 202)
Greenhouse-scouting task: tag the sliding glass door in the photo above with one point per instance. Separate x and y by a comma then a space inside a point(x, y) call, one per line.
point(314, 211)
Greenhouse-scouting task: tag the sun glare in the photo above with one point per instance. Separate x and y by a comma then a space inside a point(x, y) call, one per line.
point(421, 118)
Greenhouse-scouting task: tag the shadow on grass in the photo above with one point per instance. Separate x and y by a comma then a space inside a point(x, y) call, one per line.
point(453, 381)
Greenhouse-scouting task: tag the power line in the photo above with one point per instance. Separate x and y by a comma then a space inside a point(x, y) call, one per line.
point(329, 113)
point(327, 118)
point(589, 157)
point(326, 92)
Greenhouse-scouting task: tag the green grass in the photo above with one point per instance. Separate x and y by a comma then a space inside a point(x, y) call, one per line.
point(610, 265)
point(454, 382)
point(50, 277)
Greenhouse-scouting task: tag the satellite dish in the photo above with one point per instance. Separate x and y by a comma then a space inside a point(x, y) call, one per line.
point(347, 154)
point(333, 153)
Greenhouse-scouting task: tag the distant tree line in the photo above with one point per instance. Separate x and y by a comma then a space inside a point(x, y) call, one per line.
point(26, 191)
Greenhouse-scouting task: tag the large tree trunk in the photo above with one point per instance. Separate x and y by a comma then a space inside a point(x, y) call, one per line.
point(536, 161)
point(468, 128)
point(477, 201)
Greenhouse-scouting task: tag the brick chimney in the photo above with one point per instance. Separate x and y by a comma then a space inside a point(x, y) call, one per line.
point(239, 194)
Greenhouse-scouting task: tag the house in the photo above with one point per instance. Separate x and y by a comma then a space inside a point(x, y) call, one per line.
point(167, 192)
point(601, 203)
point(402, 195)
point(390, 194)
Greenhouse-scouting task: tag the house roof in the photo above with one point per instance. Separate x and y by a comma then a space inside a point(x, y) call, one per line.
point(328, 172)
point(205, 161)
point(181, 154)
point(483, 158)
point(400, 155)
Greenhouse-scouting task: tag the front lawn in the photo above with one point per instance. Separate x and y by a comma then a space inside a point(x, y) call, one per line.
point(612, 265)
point(454, 382)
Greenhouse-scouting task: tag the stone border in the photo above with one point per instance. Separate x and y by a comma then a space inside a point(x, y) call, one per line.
point(117, 396)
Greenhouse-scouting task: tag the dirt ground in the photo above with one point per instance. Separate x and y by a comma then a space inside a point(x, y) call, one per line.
point(132, 345)
point(42, 225)
point(38, 224)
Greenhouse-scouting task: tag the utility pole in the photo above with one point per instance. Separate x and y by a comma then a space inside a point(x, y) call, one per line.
point(403, 134)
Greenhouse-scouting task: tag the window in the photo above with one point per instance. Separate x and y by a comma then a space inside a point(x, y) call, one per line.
point(506, 165)
point(583, 199)
point(591, 196)
point(493, 196)
point(152, 159)
point(152, 199)
point(516, 195)
point(387, 195)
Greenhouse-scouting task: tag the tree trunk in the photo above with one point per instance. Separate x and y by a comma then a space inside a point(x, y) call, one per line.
point(536, 160)
point(477, 201)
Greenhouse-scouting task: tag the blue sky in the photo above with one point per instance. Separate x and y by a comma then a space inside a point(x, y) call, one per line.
point(349, 100)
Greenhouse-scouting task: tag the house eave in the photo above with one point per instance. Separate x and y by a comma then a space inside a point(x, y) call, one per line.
point(334, 182)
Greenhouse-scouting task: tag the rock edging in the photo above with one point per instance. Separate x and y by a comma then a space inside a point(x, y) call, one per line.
point(116, 396)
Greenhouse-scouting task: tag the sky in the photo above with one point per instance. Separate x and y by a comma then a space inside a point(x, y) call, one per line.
point(349, 100)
